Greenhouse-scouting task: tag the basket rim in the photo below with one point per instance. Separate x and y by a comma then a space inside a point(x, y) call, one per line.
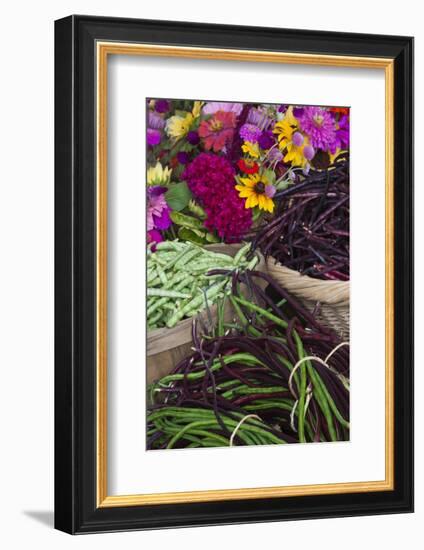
point(335, 293)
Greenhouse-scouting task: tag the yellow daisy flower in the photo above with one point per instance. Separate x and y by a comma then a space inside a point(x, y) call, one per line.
point(286, 128)
point(257, 191)
point(295, 155)
point(251, 149)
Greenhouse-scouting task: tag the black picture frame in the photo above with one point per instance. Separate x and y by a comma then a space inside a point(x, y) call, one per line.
point(76, 508)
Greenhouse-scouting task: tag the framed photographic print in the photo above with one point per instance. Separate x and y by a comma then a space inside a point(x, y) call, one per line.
point(234, 274)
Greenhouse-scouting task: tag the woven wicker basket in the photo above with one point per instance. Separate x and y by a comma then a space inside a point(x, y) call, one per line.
point(329, 299)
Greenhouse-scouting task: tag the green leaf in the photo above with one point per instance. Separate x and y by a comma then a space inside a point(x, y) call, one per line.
point(196, 209)
point(178, 196)
point(270, 175)
point(211, 238)
point(186, 234)
point(186, 221)
point(257, 213)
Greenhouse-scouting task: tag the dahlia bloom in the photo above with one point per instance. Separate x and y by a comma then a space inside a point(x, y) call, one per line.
point(211, 180)
point(319, 125)
point(218, 131)
point(214, 106)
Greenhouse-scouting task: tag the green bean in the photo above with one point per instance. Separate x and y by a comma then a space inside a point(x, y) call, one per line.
point(331, 403)
point(241, 253)
point(302, 389)
point(322, 401)
point(262, 311)
point(166, 293)
point(244, 321)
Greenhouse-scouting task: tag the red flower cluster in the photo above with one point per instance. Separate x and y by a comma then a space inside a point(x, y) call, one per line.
point(248, 166)
point(211, 180)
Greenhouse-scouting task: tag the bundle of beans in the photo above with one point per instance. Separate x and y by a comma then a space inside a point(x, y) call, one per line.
point(310, 230)
point(273, 375)
point(177, 283)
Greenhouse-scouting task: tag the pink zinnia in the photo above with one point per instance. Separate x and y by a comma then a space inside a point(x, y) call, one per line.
point(218, 131)
point(319, 125)
point(214, 106)
point(157, 209)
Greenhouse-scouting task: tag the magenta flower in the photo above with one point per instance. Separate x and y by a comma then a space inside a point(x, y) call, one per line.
point(211, 180)
point(342, 134)
point(266, 140)
point(193, 137)
point(153, 137)
point(162, 105)
point(183, 157)
point(157, 209)
point(250, 132)
point(319, 125)
point(154, 236)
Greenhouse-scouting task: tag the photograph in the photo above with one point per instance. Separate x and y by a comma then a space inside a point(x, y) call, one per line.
point(247, 309)
point(234, 274)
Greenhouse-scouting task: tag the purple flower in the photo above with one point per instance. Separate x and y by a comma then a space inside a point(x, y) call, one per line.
point(275, 155)
point(342, 134)
point(259, 118)
point(250, 132)
point(308, 152)
point(162, 106)
point(266, 140)
point(155, 121)
point(153, 137)
point(193, 137)
point(297, 139)
point(154, 236)
point(157, 209)
point(183, 157)
point(213, 106)
point(298, 112)
point(318, 124)
point(270, 191)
